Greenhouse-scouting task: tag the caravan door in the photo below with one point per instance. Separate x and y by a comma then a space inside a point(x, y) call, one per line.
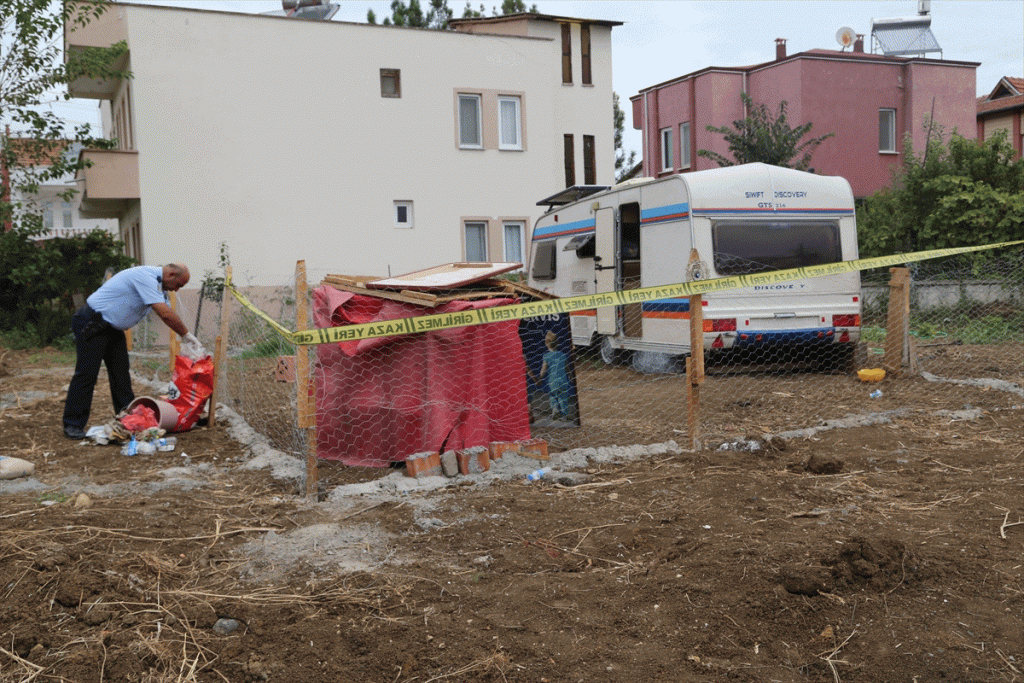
point(605, 266)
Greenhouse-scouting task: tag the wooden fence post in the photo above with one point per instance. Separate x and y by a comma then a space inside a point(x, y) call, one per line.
point(695, 364)
point(304, 398)
point(175, 343)
point(897, 327)
point(219, 355)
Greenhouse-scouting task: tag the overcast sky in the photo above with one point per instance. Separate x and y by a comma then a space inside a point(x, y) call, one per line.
point(662, 39)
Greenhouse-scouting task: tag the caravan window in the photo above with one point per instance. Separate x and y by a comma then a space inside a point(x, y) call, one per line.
point(544, 260)
point(744, 247)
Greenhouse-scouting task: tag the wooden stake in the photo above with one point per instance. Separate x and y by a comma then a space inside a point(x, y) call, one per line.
point(897, 328)
point(697, 330)
point(175, 342)
point(219, 355)
point(304, 399)
point(692, 405)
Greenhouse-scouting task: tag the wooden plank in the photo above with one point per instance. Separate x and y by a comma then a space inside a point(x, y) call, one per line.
point(408, 297)
point(443, 277)
point(518, 288)
point(468, 296)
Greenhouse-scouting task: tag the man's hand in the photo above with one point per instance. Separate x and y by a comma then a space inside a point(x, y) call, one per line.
point(192, 347)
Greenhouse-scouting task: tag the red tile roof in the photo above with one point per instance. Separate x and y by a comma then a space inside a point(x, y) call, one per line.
point(1002, 97)
point(32, 152)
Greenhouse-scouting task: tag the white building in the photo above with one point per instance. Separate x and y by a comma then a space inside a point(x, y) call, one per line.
point(358, 148)
point(60, 215)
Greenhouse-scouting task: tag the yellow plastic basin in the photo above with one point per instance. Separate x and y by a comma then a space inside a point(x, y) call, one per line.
point(871, 375)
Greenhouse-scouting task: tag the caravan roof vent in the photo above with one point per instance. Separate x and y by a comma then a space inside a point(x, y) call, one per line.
point(571, 194)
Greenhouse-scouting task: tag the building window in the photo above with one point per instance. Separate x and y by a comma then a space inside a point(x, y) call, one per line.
point(469, 122)
point(390, 83)
point(886, 130)
point(589, 161)
point(514, 231)
point(666, 149)
point(585, 53)
point(566, 54)
point(403, 214)
point(476, 240)
point(511, 129)
point(570, 164)
point(684, 145)
point(48, 218)
point(68, 218)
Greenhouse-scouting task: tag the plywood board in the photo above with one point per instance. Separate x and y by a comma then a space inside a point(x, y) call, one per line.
point(448, 276)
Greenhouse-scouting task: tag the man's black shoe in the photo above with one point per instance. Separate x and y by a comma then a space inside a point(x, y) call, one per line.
point(74, 433)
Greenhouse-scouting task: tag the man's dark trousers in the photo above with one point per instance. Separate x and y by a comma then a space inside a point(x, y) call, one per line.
point(96, 342)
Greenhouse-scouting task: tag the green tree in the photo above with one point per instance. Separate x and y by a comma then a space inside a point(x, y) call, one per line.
point(507, 7)
point(957, 192)
point(765, 137)
point(38, 278)
point(33, 75)
point(623, 162)
point(439, 15)
point(402, 14)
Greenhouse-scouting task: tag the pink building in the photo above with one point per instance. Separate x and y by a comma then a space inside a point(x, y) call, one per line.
point(869, 101)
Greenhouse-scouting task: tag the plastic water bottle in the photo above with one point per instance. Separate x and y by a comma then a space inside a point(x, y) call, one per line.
point(130, 448)
point(877, 393)
point(166, 444)
point(537, 474)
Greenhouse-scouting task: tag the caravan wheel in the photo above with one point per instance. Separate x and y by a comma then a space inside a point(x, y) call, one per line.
point(611, 355)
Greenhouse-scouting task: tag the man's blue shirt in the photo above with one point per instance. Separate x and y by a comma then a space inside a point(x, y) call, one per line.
point(125, 299)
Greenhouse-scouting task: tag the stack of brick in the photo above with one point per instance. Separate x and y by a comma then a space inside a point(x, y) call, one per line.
point(473, 460)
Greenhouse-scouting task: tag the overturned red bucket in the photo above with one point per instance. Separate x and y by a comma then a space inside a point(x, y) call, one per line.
point(166, 414)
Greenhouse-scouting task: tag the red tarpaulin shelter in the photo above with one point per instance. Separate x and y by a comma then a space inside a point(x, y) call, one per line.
point(381, 400)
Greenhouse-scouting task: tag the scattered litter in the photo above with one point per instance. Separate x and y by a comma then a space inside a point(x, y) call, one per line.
point(537, 474)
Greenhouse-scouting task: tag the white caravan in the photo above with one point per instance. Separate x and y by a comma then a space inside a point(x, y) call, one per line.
point(741, 219)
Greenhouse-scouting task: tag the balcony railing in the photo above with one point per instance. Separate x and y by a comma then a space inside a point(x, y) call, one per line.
point(64, 232)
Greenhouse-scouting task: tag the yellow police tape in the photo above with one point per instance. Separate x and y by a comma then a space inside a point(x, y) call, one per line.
point(482, 316)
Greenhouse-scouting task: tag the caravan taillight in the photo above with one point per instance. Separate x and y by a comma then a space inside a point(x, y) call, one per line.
point(846, 320)
point(720, 325)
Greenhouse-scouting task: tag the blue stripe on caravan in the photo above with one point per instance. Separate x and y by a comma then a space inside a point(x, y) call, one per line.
point(562, 229)
point(807, 212)
point(674, 305)
point(660, 214)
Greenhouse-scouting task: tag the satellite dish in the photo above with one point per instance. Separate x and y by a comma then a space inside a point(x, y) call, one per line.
point(845, 36)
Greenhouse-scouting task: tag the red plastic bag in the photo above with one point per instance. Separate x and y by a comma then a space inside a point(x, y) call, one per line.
point(194, 380)
point(139, 419)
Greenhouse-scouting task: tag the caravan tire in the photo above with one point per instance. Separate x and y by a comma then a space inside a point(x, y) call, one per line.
point(611, 355)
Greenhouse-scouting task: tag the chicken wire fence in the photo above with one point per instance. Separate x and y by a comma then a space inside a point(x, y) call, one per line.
point(948, 335)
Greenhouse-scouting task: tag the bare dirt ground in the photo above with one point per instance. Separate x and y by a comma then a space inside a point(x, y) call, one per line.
point(885, 552)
